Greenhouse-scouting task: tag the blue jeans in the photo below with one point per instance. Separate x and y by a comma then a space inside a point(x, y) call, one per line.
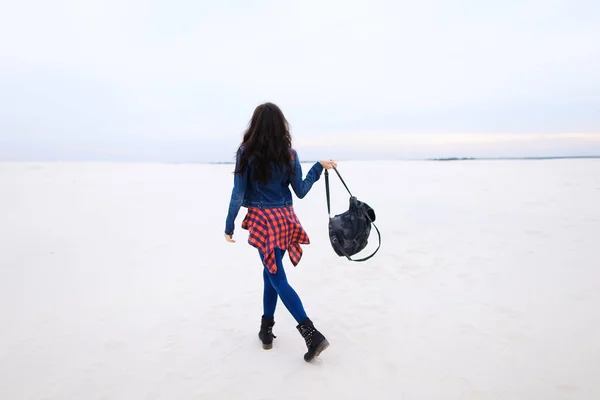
point(277, 285)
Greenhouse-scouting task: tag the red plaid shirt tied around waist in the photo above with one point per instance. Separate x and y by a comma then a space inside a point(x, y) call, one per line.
point(275, 227)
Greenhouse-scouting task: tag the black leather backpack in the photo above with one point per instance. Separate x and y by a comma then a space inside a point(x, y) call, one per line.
point(349, 232)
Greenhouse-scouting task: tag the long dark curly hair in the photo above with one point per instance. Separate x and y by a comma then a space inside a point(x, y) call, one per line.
point(267, 142)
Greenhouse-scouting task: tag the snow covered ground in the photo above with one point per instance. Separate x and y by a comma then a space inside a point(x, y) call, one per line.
point(116, 283)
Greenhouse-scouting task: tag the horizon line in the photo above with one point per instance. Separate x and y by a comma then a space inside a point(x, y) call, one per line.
point(314, 161)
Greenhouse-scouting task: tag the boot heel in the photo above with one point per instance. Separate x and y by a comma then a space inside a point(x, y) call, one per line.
point(266, 333)
point(315, 341)
point(321, 348)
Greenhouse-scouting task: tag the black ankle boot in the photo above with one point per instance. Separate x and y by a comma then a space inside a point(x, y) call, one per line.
point(315, 341)
point(266, 332)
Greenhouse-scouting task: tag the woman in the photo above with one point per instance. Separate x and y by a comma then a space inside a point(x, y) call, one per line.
point(266, 165)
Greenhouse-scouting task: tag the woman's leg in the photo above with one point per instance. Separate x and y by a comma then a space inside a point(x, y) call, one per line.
point(315, 341)
point(288, 295)
point(269, 296)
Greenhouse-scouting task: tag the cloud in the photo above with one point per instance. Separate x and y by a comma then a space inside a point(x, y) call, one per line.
point(389, 140)
point(129, 74)
point(95, 150)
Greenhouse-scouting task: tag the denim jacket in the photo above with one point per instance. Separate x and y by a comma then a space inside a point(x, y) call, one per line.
point(275, 194)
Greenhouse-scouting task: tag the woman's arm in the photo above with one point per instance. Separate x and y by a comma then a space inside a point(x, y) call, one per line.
point(302, 187)
point(240, 182)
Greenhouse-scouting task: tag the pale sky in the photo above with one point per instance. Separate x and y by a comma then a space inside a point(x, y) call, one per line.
point(177, 81)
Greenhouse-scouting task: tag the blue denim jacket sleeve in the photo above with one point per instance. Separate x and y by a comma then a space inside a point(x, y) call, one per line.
point(302, 187)
point(240, 182)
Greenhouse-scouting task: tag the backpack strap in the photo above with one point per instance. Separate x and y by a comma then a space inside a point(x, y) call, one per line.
point(327, 188)
point(327, 193)
point(366, 214)
point(341, 179)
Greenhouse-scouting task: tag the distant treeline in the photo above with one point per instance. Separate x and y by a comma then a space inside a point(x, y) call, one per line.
point(451, 159)
point(510, 158)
